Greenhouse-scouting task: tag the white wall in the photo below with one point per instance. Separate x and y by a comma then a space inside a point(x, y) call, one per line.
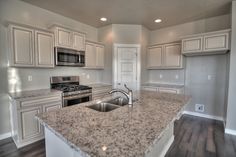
point(231, 116)
point(24, 13)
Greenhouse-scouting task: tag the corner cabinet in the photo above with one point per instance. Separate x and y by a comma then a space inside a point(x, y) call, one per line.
point(26, 129)
point(67, 38)
point(206, 43)
point(166, 56)
point(30, 47)
point(94, 55)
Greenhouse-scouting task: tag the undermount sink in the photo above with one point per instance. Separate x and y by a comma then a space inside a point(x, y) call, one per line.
point(119, 101)
point(103, 107)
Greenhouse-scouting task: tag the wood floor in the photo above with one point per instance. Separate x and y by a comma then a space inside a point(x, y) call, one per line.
point(194, 137)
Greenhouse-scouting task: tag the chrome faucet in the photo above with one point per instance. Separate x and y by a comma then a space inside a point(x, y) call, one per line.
point(129, 95)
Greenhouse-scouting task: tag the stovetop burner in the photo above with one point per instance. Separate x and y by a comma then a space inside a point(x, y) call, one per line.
point(70, 87)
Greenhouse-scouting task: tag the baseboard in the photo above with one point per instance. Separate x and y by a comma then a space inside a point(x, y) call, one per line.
point(4, 136)
point(203, 115)
point(231, 132)
point(166, 148)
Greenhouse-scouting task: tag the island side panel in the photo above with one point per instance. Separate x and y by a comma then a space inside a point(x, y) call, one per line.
point(160, 148)
point(55, 147)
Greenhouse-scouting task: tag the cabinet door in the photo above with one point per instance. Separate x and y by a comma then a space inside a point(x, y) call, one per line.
point(168, 90)
point(216, 42)
point(64, 37)
point(191, 45)
point(22, 46)
point(44, 49)
point(154, 57)
point(99, 56)
point(78, 41)
point(172, 55)
point(90, 55)
point(30, 126)
point(52, 106)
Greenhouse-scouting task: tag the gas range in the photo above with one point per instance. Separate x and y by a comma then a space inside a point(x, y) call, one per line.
point(73, 92)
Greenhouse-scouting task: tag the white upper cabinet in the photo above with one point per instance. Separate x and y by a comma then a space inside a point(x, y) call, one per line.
point(63, 37)
point(166, 56)
point(68, 38)
point(206, 43)
point(30, 47)
point(172, 55)
point(192, 45)
point(44, 45)
point(94, 55)
point(78, 41)
point(22, 46)
point(154, 57)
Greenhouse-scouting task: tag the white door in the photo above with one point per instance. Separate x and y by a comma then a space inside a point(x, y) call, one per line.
point(172, 55)
point(154, 57)
point(78, 41)
point(90, 55)
point(126, 63)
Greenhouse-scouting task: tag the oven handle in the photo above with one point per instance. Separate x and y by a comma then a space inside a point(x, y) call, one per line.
point(75, 97)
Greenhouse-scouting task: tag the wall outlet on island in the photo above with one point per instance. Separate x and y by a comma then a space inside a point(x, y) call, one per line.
point(199, 107)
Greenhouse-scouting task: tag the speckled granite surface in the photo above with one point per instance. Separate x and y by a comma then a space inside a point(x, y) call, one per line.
point(162, 85)
point(126, 132)
point(33, 93)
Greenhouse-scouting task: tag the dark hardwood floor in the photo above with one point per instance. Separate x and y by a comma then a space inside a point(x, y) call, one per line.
point(200, 137)
point(194, 137)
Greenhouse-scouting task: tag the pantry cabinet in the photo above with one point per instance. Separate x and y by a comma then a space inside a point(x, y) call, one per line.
point(166, 56)
point(68, 38)
point(94, 55)
point(30, 47)
point(206, 43)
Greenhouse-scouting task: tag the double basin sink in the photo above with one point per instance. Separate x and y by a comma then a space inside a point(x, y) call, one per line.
point(110, 105)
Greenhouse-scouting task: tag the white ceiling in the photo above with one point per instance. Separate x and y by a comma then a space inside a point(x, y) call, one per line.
point(144, 12)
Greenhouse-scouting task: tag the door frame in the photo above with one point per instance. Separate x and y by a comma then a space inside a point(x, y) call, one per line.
point(115, 66)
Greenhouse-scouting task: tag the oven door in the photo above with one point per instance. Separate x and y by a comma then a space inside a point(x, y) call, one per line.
point(67, 57)
point(76, 99)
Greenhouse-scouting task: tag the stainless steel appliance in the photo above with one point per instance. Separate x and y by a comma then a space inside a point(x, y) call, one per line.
point(73, 92)
point(69, 57)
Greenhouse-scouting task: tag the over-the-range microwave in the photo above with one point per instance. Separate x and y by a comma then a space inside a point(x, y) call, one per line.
point(69, 57)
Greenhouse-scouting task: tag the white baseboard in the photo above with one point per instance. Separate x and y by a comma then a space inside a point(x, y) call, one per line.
point(231, 132)
point(203, 115)
point(166, 148)
point(4, 136)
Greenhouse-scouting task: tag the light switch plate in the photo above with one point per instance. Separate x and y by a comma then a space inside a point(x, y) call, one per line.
point(30, 78)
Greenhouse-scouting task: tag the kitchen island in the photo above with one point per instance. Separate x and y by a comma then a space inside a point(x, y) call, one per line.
point(146, 129)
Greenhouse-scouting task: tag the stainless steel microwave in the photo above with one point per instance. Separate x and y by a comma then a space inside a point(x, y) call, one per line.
point(69, 57)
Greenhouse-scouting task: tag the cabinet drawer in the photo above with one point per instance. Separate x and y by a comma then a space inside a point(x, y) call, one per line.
point(192, 45)
point(154, 89)
point(216, 42)
point(38, 102)
point(52, 106)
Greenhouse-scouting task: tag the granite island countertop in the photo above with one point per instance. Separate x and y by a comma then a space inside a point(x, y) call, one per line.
point(21, 95)
point(124, 131)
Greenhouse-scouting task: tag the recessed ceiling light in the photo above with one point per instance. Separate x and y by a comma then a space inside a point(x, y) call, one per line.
point(103, 19)
point(158, 20)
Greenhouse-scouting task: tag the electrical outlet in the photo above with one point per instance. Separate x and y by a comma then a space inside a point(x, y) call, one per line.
point(199, 107)
point(209, 77)
point(176, 77)
point(88, 76)
point(30, 78)
point(161, 76)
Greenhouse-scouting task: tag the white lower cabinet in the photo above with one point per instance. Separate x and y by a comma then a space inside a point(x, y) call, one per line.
point(26, 129)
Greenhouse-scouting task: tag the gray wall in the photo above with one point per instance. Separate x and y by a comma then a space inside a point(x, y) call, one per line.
point(231, 116)
point(211, 93)
point(21, 12)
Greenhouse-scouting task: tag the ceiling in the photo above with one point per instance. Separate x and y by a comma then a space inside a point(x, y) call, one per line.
point(144, 12)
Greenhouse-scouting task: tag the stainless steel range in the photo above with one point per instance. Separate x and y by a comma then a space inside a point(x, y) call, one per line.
point(73, 92)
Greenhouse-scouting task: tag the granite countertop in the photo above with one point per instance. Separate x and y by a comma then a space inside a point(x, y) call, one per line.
point(163, 85)
point(33, 93)
point(124, 131)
